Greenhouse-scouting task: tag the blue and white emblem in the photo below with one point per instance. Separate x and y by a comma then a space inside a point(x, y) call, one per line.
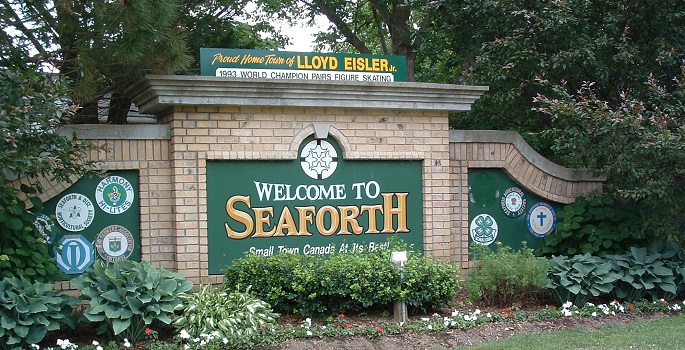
point(541, 219)
point(319, 159)
point(75, 254)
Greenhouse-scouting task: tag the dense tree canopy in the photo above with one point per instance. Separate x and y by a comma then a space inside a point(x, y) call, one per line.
point(104, 46)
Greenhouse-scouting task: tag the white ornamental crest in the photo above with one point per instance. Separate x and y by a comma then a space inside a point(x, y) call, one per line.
point(319, 159)
point(75, 212)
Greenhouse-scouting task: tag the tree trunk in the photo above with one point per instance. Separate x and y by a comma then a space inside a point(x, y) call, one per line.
point(119, 107)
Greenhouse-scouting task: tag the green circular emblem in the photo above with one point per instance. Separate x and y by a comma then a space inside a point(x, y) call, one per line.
point(114, 195)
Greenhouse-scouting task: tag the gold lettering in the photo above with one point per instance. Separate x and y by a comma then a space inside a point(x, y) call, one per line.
point(389, 211)
point(239, 216)
point(263, 217)
point(306, 217)
point(285, 222)
point(335, 220)
point(348, 215)
point(372, 209)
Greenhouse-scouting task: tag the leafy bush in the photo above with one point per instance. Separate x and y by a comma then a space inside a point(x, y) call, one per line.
point(270, 277)
point(428, 283)
point(23, 251)
point(580, 277)
point(313, 285)
point(127, 296)
point(639, 273)
point(239, 317)
point(595, 226)
point(506, 276)
point(29, 310)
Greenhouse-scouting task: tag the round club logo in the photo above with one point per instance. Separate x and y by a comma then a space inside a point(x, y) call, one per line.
point(513, 202)
point(541, 219)
point(75, 254)
point(114, 243)
point(74, 212)
point(483, 229)
point(319, 159)
point(45, 227)
point(114, 195)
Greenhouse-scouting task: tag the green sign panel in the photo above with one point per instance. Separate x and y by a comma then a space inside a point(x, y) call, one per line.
point(319, 204)
point(262, 64)
point(502, 211)
point(95, 218)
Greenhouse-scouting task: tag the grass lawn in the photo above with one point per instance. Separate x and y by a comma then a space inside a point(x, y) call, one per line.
point(666, 333)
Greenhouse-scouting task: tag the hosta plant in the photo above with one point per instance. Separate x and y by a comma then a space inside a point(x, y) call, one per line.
point(579, 277)
point(641, 273)
point(28, 310)
point(238, 318)
point(128, 296)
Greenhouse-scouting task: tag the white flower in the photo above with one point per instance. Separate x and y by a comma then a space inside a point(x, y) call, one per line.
point(594, 314)
point(99, 348)
point(309, 322)
point(675, 307)
point(455, 313)
point(488, 315)
point(567, 305)
point(95, 343)
point(126, 343)
point(430, 326)
point(477, 312)
point(35, 346)
point(184, 334)
point(309, 333)
point(567, 312)
point(424, 319)
point(225, 341)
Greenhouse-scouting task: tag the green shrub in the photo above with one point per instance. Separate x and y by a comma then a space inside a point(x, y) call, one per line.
point(29, 310)
point(239, 317)
point(639, 273)
point(270, 277)
point(429, 283)
point(506, 276)
point(127, 296)
point(580, 277)
point(596, 226)
point(315, 285)
point(23, 251)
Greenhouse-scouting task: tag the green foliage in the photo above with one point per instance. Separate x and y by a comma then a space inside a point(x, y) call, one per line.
point(128, 296)
point(29, 310)
point(514, 47)
point(236, 316)
point(580, 277)
point(313, 285)
point(506, 276)
point(32, 105)
point(593, 226)
point(639, 273)
point(428, 283)
point(637, 145)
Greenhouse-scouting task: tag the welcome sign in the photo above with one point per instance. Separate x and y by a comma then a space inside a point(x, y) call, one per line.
point(262, 64)
point(319, 204)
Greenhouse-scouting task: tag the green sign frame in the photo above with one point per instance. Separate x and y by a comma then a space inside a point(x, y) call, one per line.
point(500, 211)
point(263, 64)
point(103, 213)
point(270, 207)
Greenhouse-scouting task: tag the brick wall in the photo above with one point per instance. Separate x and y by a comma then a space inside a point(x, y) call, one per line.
point(402, 121)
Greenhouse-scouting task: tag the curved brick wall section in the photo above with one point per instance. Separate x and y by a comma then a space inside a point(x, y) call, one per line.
point(508, 150)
